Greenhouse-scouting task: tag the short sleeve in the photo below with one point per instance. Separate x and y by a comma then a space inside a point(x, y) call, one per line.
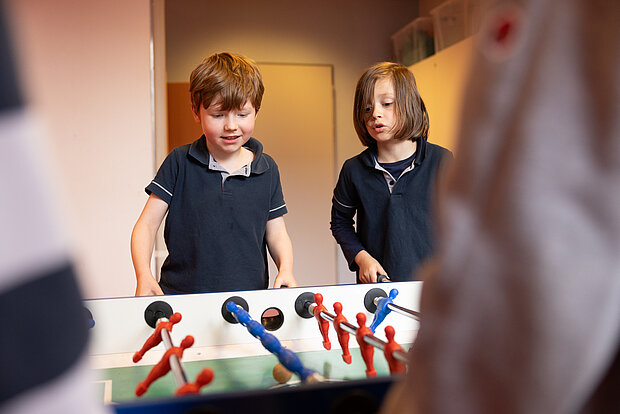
point(277, 206)
point(163, 183)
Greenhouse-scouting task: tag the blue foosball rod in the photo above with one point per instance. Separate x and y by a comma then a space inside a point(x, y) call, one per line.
point(288, 358)
point(384, 305)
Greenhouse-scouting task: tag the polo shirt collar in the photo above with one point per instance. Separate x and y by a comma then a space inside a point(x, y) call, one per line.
point(420, 151)
point(198, 150)
point(259, 164)
point(369, 156)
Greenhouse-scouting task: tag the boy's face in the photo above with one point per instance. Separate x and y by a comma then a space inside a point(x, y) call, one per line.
point(226, 131)
point(381, 114)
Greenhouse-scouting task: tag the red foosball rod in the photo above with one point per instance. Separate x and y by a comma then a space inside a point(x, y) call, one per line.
point(366, 346)
point(323, 323)
point(159, 316)
point(305, 306)
point(343, 336)
point(389, 350)
point(162, 331)
point(204, 377)
point(171, 361)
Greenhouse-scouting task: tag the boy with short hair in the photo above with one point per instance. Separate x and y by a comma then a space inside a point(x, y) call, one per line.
point(222, 193)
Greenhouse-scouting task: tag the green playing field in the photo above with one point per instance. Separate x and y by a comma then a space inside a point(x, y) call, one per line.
point(118, 384)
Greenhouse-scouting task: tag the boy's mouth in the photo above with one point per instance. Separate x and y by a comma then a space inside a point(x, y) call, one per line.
point(231, 138)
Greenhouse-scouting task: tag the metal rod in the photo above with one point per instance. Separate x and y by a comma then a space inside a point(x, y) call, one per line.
point(369, 339)
point(401, 356)
point(404, 311)
point(399, 309)
point(175, 363)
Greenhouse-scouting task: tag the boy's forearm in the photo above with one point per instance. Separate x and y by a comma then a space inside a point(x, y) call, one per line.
point(281, 250)
point(142, 242)
point(279, 244)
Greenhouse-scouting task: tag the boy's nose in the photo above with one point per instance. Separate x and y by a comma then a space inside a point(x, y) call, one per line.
point(230, 124)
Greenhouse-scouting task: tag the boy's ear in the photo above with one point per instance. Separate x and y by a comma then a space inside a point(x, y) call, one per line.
point(196, 114)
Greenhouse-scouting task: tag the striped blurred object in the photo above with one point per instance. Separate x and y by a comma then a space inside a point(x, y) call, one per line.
point(44, 330)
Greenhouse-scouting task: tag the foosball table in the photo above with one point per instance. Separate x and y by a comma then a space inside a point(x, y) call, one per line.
point(329, 345)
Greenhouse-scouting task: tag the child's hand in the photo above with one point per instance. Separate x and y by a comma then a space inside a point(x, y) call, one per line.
point(285, 278)
point(369, 267)
point(148, 286)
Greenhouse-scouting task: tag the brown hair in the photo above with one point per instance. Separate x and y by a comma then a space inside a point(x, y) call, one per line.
point(411, 115)
point(234, 78)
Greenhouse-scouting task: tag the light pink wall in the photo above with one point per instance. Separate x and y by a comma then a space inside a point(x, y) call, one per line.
point(86, 68)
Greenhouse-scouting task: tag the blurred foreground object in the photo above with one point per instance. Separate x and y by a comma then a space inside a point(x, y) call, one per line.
point(521, 307)
point(44, 330)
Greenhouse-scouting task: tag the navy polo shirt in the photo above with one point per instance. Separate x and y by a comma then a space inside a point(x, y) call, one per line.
point(394, 227)
point(215, 227)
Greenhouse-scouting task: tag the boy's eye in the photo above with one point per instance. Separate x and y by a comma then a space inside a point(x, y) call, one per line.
point(243, 115)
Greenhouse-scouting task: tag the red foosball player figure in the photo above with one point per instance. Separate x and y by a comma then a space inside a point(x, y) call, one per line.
point(155, 339)
point(343, 336)
point(163, 366)
point(396, 366)
point(323, 323)
point(367, 350)
point(204, 377)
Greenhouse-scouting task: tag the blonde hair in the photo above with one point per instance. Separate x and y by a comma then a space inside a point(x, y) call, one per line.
point(411, 115)
point(233, 78)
